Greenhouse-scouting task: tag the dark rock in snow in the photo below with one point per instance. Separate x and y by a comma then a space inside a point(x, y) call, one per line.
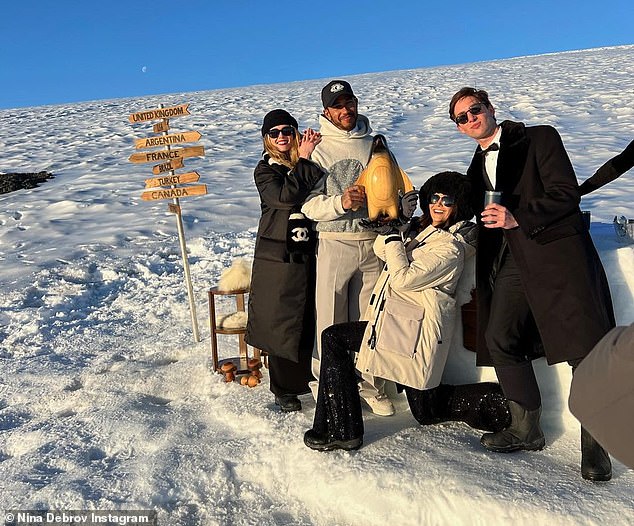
point(17, 181)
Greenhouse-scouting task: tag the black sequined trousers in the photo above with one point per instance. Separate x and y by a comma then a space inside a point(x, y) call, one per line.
point(480, 405)
point(338, 411)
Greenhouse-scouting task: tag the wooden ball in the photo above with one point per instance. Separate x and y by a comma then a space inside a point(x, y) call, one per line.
point(244, 380)
point(253, 381)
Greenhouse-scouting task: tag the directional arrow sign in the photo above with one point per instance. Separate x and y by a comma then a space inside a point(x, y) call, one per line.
point(159, 113)
point(183, 191)
point(174, 164)
point(162, 126)
point(167, 155)
point(165, 140)
point(169, 180)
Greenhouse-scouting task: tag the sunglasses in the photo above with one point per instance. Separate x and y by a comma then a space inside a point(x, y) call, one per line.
point(444, 200)
point(463, 118)
point(286, 131)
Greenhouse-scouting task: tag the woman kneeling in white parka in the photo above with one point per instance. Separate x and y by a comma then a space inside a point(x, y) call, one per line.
point(408, 326)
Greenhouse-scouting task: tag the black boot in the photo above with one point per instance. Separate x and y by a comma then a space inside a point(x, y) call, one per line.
point(321, 442)
point(524, 433)
point(480, 405)
point(595, 461)
point(288, 403)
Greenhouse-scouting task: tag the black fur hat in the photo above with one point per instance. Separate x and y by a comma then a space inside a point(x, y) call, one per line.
point(454, 184)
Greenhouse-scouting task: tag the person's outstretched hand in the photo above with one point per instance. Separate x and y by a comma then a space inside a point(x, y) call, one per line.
point(307, 143)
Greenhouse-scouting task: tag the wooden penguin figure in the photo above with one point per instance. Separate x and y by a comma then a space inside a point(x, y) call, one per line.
point(384, 182)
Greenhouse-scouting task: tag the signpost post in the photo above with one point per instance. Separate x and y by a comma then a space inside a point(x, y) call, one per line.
point(170, 160)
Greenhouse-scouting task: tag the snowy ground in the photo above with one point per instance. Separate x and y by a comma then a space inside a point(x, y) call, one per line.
point(106, 402)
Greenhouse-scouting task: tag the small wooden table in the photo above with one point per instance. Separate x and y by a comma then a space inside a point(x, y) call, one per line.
point(242, 359)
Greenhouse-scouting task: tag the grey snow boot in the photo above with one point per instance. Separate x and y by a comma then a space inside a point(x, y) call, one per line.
point(524, 433)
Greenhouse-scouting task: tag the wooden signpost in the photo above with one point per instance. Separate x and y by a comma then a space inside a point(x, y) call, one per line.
point(168, 180)
point(164, 140)
point(170, 193)
point(170, 186)
point(159, 113)
point(169, 166)
point(167, 155)
point(162, 126)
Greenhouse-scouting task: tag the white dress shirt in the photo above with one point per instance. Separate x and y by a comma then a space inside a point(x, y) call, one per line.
point(491, 159)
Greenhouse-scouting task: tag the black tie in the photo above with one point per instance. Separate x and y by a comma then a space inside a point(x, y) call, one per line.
point(493, 148)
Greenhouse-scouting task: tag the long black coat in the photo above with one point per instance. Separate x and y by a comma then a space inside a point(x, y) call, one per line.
point(281, 300)
point(560, 269)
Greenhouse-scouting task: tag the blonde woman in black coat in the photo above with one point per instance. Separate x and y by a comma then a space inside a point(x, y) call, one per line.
point(281, 301)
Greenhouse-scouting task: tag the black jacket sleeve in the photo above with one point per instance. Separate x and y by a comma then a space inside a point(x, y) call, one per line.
point(283, 189)
point(610, 171)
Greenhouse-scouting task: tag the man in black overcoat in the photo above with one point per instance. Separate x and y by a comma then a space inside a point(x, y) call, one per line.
point(541, 287)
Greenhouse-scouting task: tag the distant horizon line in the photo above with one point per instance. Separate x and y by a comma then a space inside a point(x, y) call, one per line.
point(351, 75)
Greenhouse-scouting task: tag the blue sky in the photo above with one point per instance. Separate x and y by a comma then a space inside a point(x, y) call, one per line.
point(70, 51)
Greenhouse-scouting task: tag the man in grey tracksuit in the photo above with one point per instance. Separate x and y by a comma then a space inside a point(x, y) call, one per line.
point(347, 267)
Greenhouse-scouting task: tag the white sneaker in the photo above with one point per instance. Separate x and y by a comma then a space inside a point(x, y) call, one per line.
point(380, 405)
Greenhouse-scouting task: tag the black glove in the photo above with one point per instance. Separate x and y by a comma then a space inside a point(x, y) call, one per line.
point(385, 228)
point(625, 160)
point(407, 205)
point(380, 227)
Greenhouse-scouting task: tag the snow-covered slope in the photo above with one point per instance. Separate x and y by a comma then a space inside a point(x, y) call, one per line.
point(106, 402)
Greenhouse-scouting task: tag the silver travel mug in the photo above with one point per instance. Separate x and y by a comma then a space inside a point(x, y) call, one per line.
point(491, 197)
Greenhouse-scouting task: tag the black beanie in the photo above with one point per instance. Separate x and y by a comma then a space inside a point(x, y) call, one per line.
point(275, 118)
point(454, 184)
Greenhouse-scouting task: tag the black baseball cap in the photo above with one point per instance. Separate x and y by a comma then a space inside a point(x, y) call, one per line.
point(333, 90)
